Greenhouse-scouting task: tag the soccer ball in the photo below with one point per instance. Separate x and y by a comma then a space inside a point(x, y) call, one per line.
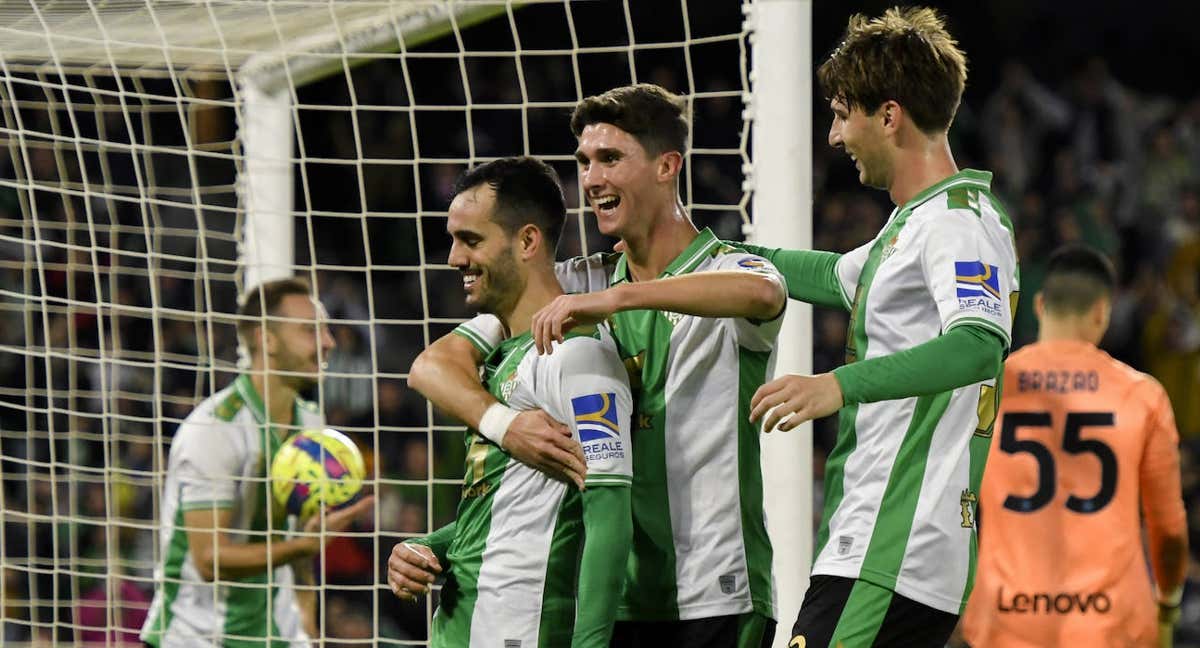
point(316, 468)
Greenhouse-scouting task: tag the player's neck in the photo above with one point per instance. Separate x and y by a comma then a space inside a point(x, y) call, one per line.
point(648, 253)
point(1069, 330)
point(278, 397)
point(920, 166)
point(540, 290)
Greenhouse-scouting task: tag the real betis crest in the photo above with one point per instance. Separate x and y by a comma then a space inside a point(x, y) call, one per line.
point(673, 317)
point(889, 248)
point(507, 386)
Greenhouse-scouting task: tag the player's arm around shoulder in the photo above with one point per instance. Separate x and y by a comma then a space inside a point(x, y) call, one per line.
point(597, 403)
point(447, 373)
point(742, 286)
point(812, 276)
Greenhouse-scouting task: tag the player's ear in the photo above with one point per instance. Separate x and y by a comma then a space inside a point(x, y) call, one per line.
point(669, 165)
point(1039, 306)
point(889, 115)
point(529, 240)
point(268, 340)
point(1100, 313)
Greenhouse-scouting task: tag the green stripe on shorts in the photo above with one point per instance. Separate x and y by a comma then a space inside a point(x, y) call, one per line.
point(863, 615)
point(751, 627)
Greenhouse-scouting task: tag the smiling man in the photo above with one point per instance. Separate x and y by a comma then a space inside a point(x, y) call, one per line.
point(228, 574)
point(930, 316)
point(695, 321)
point(530, 561)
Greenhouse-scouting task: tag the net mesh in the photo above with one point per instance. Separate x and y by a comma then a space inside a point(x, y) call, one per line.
point(122, 208)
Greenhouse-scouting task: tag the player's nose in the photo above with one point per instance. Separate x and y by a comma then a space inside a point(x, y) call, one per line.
point(591, 176)
point(457, 258)
point(835, 136)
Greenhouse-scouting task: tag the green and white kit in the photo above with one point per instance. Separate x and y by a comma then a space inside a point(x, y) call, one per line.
point(219, 460)
point(700, 546)
point(904, 475)
point(518, 555)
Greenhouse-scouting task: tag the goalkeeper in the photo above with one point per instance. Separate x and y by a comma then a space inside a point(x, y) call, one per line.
point(222, 581)
point(697, 344)
point(1097, 454)
point(523, 543)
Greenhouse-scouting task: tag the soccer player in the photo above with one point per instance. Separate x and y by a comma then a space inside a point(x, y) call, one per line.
point(930, 317)
point(523, 544)
point(696, 323)
point(1084, 443)
point(227, 572)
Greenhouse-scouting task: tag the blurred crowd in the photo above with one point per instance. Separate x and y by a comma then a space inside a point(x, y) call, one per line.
point(1081, 158)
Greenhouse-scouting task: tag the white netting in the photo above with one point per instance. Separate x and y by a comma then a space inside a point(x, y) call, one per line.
point(123, 201)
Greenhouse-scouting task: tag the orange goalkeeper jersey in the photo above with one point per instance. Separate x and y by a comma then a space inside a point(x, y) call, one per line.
point(1081, 442)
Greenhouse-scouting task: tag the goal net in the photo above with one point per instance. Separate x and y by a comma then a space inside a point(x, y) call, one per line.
point(165, 156)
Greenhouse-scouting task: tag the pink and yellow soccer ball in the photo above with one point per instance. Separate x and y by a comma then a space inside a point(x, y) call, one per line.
point(314, 469)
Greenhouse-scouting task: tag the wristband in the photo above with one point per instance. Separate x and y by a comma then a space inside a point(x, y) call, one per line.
point(493, 425)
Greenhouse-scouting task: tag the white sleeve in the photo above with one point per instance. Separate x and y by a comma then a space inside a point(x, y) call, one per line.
point(756, 335)
point(971, 272)
point(592, 397)
point(585, 274)
point(205, 460)
point(484, 331)
point(849, 268)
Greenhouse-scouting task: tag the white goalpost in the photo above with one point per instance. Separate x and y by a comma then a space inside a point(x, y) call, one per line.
point(164, 156)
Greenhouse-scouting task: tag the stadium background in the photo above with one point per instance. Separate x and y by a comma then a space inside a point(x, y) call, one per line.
point(1077, 107)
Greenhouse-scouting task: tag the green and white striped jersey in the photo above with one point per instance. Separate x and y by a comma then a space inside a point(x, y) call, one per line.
point(219, 460)
point(903, 476)
point(700, 541)
point(514, 560)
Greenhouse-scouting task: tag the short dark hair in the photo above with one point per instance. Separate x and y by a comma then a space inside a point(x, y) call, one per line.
point(1076, 277)
point(264, 299)
point(907, 56)
point(527, 191)
point(651, 114)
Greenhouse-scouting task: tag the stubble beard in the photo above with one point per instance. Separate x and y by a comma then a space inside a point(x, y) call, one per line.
point(503, 286)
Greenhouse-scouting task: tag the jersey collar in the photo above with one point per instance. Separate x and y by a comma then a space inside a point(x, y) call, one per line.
point(700, 247)
point(966, 177)
point(245, 388)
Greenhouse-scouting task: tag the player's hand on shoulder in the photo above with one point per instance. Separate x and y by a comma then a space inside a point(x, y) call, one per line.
point(411, 569)
point(795, 399)
point(539, 441)
point(566, 312)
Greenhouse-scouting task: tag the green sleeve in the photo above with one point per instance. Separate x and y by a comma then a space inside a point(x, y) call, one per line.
point(608, 534)
point(811, 275)
point(439, 541)
point(963, 355)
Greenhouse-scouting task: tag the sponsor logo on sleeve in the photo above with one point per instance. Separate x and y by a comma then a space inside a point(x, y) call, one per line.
point(599, 430)
point(977, 286)
point(755, 264)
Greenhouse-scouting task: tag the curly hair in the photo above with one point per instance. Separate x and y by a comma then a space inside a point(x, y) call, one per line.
point(907, 56)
